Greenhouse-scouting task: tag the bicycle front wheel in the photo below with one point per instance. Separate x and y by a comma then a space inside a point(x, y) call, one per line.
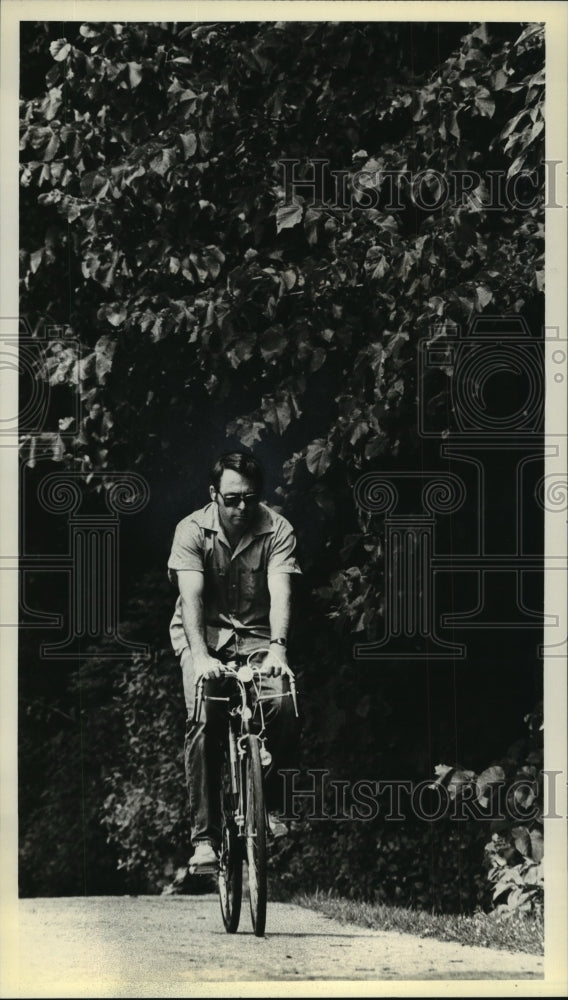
point(256, 837)
point(231, 859)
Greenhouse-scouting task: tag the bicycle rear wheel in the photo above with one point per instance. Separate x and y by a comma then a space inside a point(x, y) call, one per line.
point(231, 857)
point(256, 837)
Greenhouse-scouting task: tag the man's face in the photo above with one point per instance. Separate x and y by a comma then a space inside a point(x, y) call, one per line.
point(235, 513)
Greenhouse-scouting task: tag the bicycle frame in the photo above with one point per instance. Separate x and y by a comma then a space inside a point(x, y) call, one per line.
point(245, 819)
point(243, 708)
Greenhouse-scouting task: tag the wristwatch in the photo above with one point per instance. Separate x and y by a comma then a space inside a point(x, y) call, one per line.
point(278, 642)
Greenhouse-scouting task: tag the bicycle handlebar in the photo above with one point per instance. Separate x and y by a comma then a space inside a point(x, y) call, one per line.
point(231, 669)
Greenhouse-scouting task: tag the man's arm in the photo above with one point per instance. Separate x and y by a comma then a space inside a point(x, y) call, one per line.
point(280, 590)
point(191, 584)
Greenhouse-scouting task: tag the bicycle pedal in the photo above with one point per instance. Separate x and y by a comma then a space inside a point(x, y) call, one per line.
point(212, 868)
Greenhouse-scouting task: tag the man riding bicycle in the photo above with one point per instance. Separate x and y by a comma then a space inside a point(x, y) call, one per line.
point(232, 560)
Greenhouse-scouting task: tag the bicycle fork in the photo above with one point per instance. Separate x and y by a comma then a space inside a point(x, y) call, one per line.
point(238, 780)
point(239, 783)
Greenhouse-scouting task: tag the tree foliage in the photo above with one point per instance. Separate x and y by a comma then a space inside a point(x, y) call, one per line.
point(155, 225)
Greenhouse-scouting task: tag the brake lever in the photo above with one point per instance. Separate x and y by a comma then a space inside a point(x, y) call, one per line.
point(198, 700)
point(292, 683)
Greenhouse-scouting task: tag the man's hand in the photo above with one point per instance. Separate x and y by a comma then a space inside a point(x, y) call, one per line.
point(207, 667)
point(276, 662)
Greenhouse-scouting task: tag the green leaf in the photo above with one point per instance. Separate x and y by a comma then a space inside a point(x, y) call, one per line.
point(388, 223)
point(536, 130)
point(533, 876)
point(517, 165)
point(189, 143)
point(205, 141)
point(213, 258)
point(311, 221)
point(242, 349)
point(525, 794)
point(378, 445)
point(134, 74)
point(318, 359)
point(50, 106)
point(493, 775)
point(51, 149)
point(247, 430)
point(87, 31)
point(104, 353)
point(376, 264)
point(289, 278)
point(94, 184)
point(200, 266)
point(288, 216)
point(484, 102)
point(521, 840)
point(452, 778)
point(60, 49)
point(114, 313)
point(499, 79)
point(276, 412)
point(273, 342)
point(532, 31)
point(318, 457)
point(57, 448)
point(359, 429)
point(279, 409)
point(35, 259)
point(537, 845)
point(484, 296)
point(163, 161)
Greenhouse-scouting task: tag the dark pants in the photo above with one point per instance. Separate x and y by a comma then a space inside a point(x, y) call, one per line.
point(205, 738)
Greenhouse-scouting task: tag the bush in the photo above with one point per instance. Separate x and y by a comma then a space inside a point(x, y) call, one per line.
point(145, 809)
point(510, 795)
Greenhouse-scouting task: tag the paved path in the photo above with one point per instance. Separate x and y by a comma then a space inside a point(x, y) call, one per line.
point(154, 946)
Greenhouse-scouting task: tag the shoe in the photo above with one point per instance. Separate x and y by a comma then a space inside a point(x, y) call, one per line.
point(276, 826)
point(204, 860)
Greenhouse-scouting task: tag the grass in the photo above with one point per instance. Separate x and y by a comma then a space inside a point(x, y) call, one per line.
point(509, 931)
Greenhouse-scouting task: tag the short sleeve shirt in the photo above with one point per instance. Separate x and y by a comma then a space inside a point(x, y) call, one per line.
point(236, 598)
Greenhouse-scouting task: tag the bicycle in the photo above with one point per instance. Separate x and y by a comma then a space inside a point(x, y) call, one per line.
point(244, 820)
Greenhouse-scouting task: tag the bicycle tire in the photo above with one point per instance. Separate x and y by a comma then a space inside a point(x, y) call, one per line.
point(255, 829)
point(231, 858)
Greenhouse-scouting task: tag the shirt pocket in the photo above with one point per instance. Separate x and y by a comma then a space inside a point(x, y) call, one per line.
point(253, 593)
point(216, 596)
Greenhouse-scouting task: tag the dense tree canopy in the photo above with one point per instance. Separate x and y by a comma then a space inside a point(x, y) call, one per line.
point(156, 227)
point(216, 287)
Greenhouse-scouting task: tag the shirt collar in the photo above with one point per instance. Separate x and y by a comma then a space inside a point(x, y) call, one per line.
point(263, 524)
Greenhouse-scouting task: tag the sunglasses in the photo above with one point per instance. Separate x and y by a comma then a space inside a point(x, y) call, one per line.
point(234, 499)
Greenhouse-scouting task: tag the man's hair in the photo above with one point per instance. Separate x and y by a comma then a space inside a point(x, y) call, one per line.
point(238, 461)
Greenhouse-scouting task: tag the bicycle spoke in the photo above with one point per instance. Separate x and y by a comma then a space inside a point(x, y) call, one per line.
point(230, 862)
point(256, 838)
